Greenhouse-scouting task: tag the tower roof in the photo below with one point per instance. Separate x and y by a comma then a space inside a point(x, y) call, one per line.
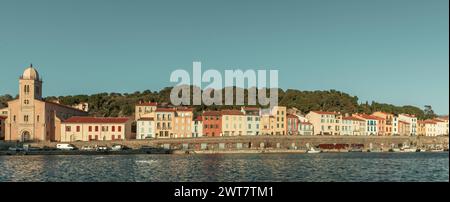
point(30, 73)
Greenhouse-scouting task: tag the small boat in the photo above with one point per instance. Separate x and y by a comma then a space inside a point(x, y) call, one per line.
point(376, 150)
point(408, 149)
point(355, 150)
point(436, 150)
point(395, 150)
point(313, 151)
point(420, 150)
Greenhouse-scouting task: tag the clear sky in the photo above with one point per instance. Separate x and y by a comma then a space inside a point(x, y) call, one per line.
point(392, 51)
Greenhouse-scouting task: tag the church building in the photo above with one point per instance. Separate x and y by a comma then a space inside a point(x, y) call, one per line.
point(30, 117)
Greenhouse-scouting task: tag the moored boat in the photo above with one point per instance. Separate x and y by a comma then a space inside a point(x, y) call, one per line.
point(312, 150)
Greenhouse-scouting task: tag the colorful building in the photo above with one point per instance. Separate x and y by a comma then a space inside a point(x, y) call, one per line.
point(234, 123)
point(412, 120)
point(164, 122)
point(324, 123)
point(145, 110)
point(30, 117)
point(371, 123)
point(197, 127)
point(386, 123)
point(2, 127)
point(305, 128)
point(404, 128)
point(292, 126)
point(212, 123)
point(353, 126)
point(96, 128)
point(145, 128)
point(252, 119)
point(182, 123)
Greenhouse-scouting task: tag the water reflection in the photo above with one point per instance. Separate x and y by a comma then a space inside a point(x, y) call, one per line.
point(236, 167)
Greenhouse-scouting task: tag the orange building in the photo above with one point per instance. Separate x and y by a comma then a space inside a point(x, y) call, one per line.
point(212, 123)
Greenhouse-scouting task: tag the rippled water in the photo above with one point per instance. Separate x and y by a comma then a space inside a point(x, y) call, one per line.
point(234, 167)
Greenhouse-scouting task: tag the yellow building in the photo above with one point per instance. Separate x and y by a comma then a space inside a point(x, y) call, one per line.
point(273, 121)
point(164, 122)
point(30, 117)
point(233, 123)
point(145, 110)
point(96, 128)
point(182, 123)
point(324, 123)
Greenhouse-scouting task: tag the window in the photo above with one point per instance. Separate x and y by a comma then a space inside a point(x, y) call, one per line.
point(119, 137)
point(25, 118)
point(96, 128)
point(119, 128)
point(112, 137)
point(37, 118)
point(113, 128)
point(104, 128)
point(90, 128)
point(78, 128)
point(67, 128)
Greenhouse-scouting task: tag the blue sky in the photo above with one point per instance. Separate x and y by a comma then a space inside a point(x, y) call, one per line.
point(392, 51)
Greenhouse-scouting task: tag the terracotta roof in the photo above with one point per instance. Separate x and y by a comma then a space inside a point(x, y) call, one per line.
point(291, 116)
point(146, 119)
point(231, 112)
point(404, 122)
point(437, 120)
point(366, 116)
point(352, 118)
point(87, 119)
point(428, 121)
point(211, 113)
point(147, 104)
point(322, 112)
point(185, 109)
point(199, 118)
point(165, 110)
point(250, 108)
point(409, 115)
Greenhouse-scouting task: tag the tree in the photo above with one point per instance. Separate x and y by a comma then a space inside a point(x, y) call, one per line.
point(428, 112)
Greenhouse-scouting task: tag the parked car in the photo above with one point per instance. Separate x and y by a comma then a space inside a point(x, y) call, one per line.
point(65, 147)
point(87, 148)
point(101, 148)
point(117, 147)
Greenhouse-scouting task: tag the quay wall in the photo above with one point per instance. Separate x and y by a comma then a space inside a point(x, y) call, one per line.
point(263, 142)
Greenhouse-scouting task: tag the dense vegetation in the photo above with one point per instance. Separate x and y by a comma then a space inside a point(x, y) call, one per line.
point(117, 104)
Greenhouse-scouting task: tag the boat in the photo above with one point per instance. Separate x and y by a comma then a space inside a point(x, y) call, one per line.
point(313, 151)
point(375, 150)
point(436, 150)
point(355, 150)
point(420, 150)
point(395, 150)
point(408, 149)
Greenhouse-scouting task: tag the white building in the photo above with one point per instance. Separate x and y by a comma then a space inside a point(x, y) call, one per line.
point(145, 128)
point(412, 120)
point(253, 120)
point(197, 127)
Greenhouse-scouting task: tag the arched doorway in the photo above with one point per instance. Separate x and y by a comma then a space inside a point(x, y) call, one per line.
point(26, 136)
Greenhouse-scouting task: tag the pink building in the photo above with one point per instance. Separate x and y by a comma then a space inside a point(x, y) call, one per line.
point(292, 124)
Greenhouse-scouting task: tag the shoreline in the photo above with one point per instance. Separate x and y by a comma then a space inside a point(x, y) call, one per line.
point(185, 152)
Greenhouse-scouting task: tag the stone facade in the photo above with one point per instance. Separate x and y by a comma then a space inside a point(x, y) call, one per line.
point(30, 118)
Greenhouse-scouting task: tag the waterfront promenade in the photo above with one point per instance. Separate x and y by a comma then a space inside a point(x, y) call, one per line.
point(254, 144)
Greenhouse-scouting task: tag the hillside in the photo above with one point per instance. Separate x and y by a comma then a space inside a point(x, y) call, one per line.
point(118, 104)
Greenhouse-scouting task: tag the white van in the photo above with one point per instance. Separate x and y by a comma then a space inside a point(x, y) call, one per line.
point(65, 147)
